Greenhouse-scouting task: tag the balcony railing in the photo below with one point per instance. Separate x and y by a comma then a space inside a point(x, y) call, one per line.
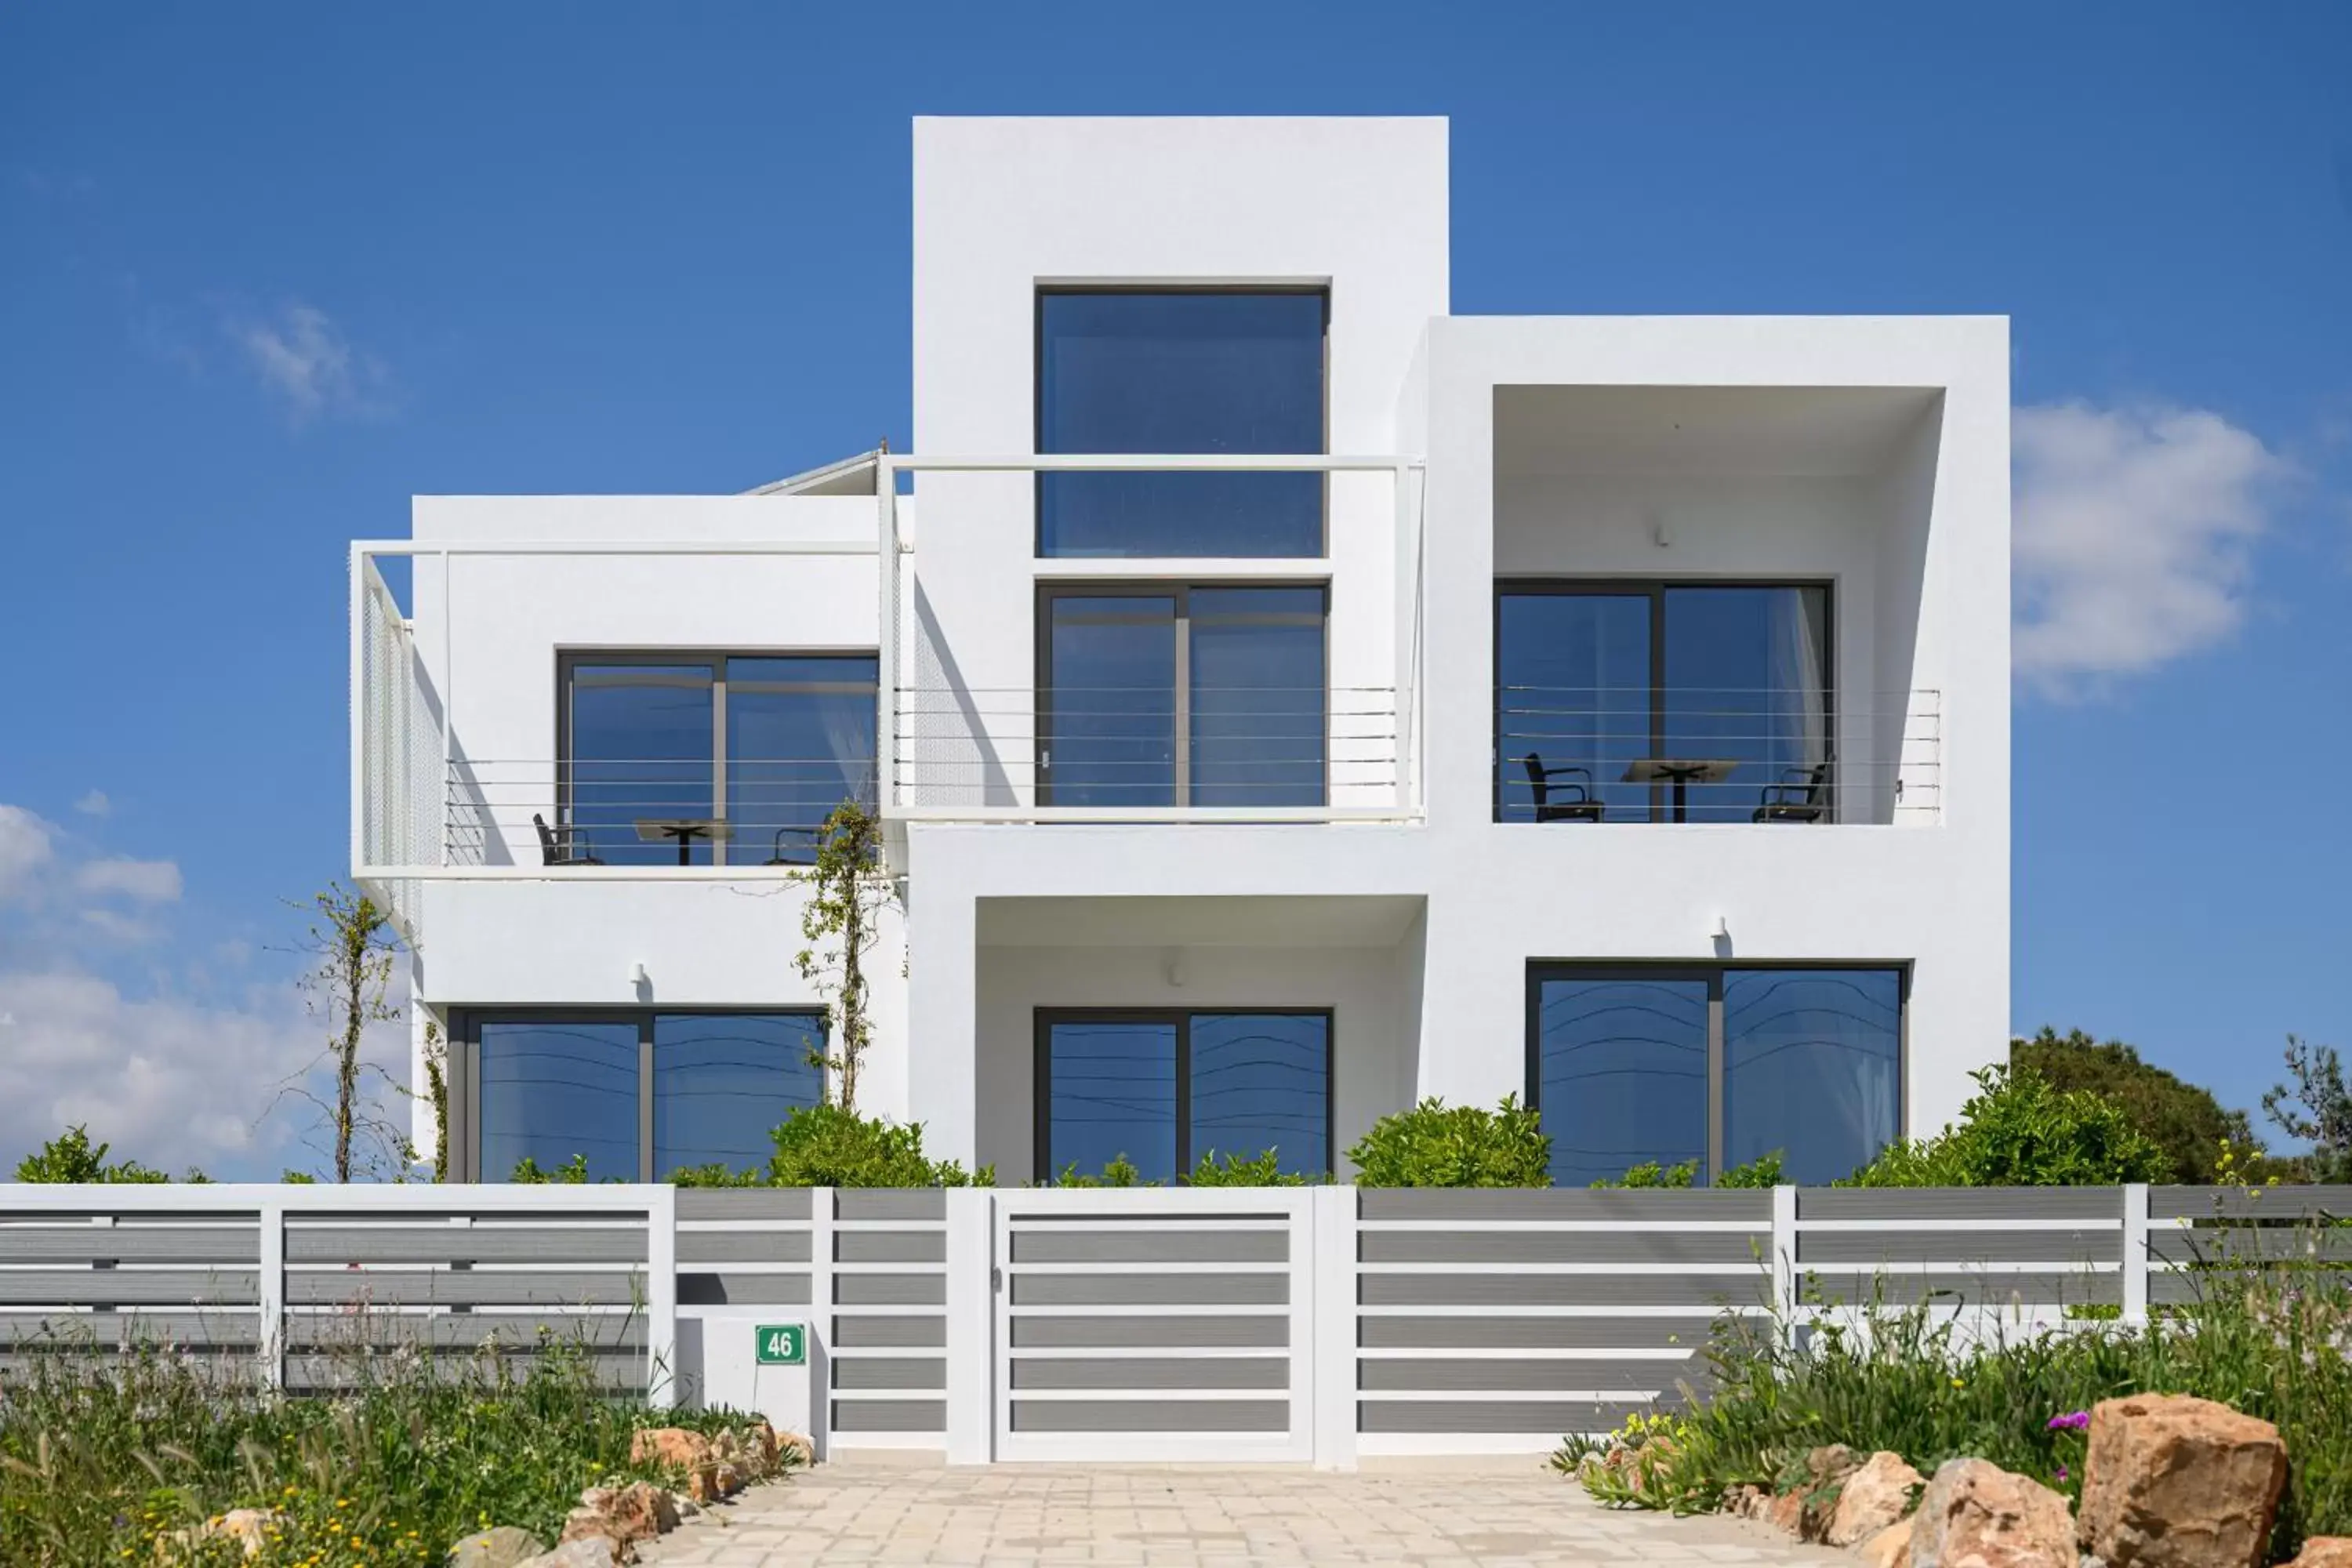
point(652, 811)
point(1771, 755)
point(1252, 753)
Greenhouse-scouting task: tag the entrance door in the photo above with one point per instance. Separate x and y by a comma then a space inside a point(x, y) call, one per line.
point(1154, 1324)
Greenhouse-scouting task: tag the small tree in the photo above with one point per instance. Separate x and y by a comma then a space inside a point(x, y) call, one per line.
point(72, 1157)
point(353, 949)
point(851, 888)
point(2316, 1108)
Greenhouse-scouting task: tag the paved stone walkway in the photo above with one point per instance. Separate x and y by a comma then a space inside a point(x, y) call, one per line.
point(1030, 1516)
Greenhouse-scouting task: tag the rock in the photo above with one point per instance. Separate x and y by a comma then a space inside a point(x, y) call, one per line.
point(2172, 1481)
point(728, 1479)
point(757, 1446)
point(639, 1511)
point(673, 1447)
point(1747, 1502)
point(1786, 1512)
point(582, 1551)
point(500, 1548)
point(793, 1452)
point(248, 1527)
point(1826, 1469)
point(2324, 1551)
point(1874, 1498)
point(1976, 1515)
point(1890, 1548)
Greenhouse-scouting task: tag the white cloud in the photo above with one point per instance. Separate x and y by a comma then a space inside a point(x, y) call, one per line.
point(2134, 537)
point(25, 850)
point(140, 881)
point(303, 357)
point(95, 804)
point(168, 1080)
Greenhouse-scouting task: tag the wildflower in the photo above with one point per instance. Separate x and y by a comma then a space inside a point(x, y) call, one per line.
point(2073, 1421)
point(2061, 1475)
point(1959, 1382)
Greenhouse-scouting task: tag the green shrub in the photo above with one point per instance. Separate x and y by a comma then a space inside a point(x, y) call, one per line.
point(1931, 1385)
point(829, 1146)
point(2184, 1120)
point(1264, 1169)
point(572, 1173)
point(71, 1157)
point(1120, 1172)
point(1762, 1171)
point(104, 1459)
point(2017, 1131)
point(1438, 1146)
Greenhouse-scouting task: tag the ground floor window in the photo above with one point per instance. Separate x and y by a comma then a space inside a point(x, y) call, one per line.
point(635, 1093)
point(1716, 1065)
point(1165, 1088)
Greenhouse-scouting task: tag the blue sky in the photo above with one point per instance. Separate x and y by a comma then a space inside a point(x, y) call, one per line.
point(268, 271)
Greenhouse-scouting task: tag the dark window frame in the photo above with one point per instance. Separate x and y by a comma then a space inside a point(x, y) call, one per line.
point(1322, 290)
point(569, 659)
point(1042, 1071)
point(1041, 767)
point(1655, 589)
point(1713, 972)
point(462, 1068)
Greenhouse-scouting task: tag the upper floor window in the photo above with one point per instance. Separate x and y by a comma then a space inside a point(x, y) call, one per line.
point(1177, 371)
point(1628, 702)
point(709, 759)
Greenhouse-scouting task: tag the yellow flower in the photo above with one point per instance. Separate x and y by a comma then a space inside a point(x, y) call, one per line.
point(1958, 1383)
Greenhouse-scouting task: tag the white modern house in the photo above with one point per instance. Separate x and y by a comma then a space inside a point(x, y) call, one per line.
point(1284, 701)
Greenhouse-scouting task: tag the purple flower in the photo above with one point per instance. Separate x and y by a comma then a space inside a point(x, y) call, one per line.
point(2061, 1475)
point(2073, 1421)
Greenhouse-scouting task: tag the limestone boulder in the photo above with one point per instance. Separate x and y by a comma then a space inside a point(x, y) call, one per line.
point(501, 1548)
point(1974, 1514)
point(2174, 1481)
point(1876, 1495)
point(1890, 1548)
point(2324, 1551)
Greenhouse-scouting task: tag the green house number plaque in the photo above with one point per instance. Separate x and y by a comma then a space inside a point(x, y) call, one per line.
point(784, 1344)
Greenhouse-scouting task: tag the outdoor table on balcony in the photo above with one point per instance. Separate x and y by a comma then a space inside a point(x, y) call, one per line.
point(1680, 773)
point(685, 829)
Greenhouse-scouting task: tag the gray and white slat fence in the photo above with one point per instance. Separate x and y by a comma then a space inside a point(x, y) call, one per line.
point(1320, 1325)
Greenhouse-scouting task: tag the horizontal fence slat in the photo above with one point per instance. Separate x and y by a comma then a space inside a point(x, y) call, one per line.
point(1143, 1372)
point(889, 1247)
point(81, 1244)
point(130, 1287)
point(1531, 1333)
point(860, 1373)
point(463, 1330)
point(505, 1242)
point(1959, 1246)
point(1744, 1287)
point(1989, 1290)
point(742, 1246)
point(2250, 1203)
point(1150, 1416)
point(1520, 1377)
point(2224, 1245)
point(722, 1288)
point(852, 1333)
point(1551, 1417)
point(1469, 1207)
point(854, 1203)
point(890, 1290)
point(1063, 1243)
point(851, 1416)
point(546, 1290)
point(744, 1203)
point(1988, 1205)
point(1150, 1289)
point(1238, 1332)
point(1562, 1246)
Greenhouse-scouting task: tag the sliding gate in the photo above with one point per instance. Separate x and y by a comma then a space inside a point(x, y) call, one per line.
point(1154, 1324)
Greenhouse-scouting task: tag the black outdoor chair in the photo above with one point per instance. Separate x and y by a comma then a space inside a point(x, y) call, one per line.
point(1798, 797)
point(806, 855)
point(564, 845)
point(1580, 806)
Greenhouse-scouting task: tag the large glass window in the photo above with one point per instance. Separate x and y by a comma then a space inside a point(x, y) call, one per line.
point(1620, 1073)
point(710, 759)
point(1716, 1065)
point(1160, 697)
point(1813, 1063)
point(1177, 371)
point(1662, 701)
point(1166, 1090)
point(636, 1093)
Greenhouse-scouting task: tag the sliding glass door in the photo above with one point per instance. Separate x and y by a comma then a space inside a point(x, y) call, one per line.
point(1619, 688)
point(1152, 696)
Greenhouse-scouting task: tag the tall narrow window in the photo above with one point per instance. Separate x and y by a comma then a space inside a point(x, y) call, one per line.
point(724, 1082)
point(1208, 697)
point(702, 759)
point(555, 1088)
point(1179, 372)
point(1813, 1061)
point(1167, 1090)
point(1620, 1073)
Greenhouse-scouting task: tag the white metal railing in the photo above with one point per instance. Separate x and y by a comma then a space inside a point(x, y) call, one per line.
point(953, 752)
point(1750, 755)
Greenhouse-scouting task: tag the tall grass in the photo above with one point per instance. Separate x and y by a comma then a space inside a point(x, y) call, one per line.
point(107, 1458)
point(1932, 1381)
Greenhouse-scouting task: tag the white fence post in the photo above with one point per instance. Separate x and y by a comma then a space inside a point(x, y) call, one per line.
point(1330, 1230)
point(661, 1296)
point(1784, 1250)
point(970, 1325)
point(269, 1314)
point(2136, 1259)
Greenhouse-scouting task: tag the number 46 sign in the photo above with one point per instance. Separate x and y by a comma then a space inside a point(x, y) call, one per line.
point(784, 1344)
